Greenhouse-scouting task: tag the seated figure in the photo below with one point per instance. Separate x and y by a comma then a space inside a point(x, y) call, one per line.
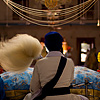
point(45, 70)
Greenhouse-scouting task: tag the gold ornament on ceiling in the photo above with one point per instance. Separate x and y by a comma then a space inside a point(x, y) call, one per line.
point(53, 4)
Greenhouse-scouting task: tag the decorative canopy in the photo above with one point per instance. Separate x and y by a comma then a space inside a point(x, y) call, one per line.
point(52, 14)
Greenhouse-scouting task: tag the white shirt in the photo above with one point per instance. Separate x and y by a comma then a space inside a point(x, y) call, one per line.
point(46, 68)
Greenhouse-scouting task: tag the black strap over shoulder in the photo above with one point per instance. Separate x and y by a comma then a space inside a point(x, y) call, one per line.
point(47, 89)
point(53, 82)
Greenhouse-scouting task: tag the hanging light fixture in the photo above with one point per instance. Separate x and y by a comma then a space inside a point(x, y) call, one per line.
point(7, 15)
point(98, 23)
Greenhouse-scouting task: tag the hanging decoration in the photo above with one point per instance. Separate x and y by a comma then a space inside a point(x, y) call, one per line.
point(53, 14)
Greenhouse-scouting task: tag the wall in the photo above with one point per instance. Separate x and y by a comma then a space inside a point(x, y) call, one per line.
point(69, 32)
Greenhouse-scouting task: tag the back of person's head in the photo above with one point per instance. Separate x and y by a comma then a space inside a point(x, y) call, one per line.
point(53, 41)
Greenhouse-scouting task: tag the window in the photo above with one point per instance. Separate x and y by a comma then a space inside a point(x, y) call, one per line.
point(21, 2)
point(83, 47)
point(90, 13)
point(44, 8)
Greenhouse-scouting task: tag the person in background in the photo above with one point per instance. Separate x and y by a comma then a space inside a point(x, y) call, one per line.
point(45, 69)
point(68, 53)
point(91, 60)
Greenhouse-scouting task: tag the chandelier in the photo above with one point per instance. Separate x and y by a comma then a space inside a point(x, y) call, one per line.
point(52, 14)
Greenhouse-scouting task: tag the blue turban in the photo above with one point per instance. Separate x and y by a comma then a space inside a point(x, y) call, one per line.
point(53, 41)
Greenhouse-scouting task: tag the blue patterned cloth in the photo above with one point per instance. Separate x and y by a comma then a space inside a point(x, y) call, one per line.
point(17, 81)
point(82, 73)
point(22, 81)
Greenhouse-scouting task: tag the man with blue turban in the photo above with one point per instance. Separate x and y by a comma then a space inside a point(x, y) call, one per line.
point(46, 68)
point(53, 41)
